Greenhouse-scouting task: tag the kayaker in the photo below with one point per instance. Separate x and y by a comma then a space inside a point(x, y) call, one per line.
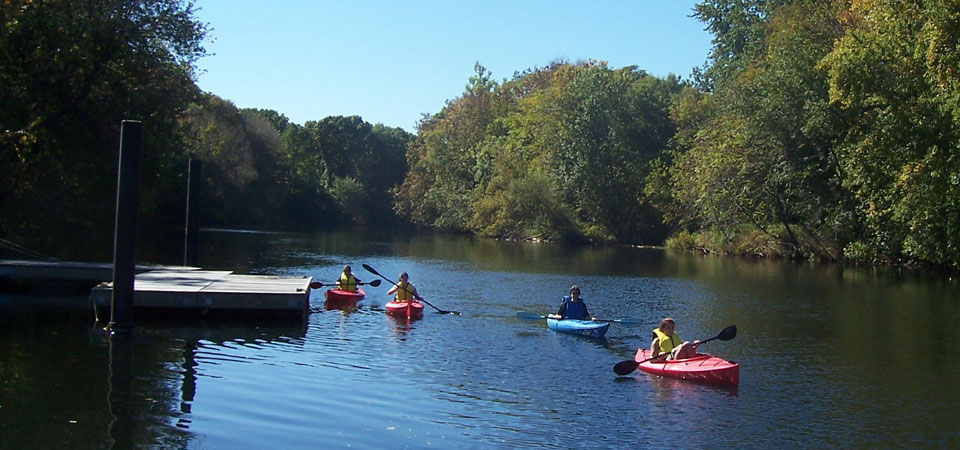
point(347, 281)
point(573, 307)
point(666, 342)
point(404, 289)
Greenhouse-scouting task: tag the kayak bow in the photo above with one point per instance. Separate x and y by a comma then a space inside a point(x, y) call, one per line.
point(703, 368)
point(410, 310)
point(587, 328)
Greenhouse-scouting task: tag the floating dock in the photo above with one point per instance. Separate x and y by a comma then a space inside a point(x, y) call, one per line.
point(58, 277)
point(208, 293)
point(168, 291)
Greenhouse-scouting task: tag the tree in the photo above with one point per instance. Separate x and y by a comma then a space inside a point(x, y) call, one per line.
point(72, 70)
point(894, 77)
point(443, 158)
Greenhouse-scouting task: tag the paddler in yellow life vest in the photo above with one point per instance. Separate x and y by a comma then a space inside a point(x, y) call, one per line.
point(347, 281)
point(667, 342)
point(404, 289)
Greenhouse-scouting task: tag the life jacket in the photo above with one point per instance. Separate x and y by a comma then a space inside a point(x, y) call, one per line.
point(574, 310)
point(665, 342)
point(348, 284)
point(403, 295)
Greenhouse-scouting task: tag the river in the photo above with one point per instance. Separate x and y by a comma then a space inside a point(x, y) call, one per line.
point(830, 356)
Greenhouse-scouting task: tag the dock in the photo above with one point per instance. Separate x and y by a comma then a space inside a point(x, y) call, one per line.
point(59, 277)
point(167, 291)
point(206, 293)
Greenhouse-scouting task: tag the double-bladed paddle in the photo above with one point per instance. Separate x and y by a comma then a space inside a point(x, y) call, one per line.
point(318, 285)
point(534, 316)
point(628, 366)
point(418, 297)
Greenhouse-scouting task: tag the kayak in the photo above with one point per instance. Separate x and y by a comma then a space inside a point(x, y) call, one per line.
point(412, 309)
point(580, 327)
point(703, 368)
point(336, 295)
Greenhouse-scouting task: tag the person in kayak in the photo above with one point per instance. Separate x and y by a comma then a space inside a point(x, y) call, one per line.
point(347, 282)
point(668, 345)
point(404, 289)
point(573, 307)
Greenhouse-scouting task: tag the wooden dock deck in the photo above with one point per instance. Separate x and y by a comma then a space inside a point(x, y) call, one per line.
point(58, 277)
point(210, 293)
point(169, 290)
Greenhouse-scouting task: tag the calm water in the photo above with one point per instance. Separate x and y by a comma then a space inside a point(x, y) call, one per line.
point(830, 357)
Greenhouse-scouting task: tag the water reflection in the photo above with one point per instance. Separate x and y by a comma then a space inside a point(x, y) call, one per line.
point(182, 351)
point(830, 357)
point(119, 393)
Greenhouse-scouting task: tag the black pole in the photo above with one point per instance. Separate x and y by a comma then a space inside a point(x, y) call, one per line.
point(125, 233)
point(193, 194)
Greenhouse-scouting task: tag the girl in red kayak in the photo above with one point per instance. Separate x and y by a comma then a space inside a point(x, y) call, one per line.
point(405, 290)
point(667, 342)
point(348, 282)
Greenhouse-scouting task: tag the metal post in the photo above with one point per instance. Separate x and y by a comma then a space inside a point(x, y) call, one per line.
point(190, 233)
point(125, 233)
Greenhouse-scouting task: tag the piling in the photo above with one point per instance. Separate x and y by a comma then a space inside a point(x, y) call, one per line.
point(190, 230)
point(125, 233)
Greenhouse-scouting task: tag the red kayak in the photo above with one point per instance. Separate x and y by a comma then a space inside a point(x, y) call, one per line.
point(412, 309)
point(703, 368)
point(336, 295)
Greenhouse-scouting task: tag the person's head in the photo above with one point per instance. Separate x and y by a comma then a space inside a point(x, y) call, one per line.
point(667, 325)
point(346, 270)
point(404, 277)
point(574, 291)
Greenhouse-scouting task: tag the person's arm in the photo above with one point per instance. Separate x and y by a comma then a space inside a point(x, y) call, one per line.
point(654, 347)
point(563, 308)
point(413, 291)
point(392, 290)
point(586, 313)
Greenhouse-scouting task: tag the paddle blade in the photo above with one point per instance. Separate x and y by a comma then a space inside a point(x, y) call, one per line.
point(316, 285)
point(625, 367)
point(621, 321)
point(529, 315)
point(371, 270)
point(728, 333)
point(374, 283)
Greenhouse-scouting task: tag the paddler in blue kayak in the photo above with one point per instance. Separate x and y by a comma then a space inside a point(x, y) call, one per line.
point(405, 290)
point(573, 307)
point(666, 342)
point(348, 282)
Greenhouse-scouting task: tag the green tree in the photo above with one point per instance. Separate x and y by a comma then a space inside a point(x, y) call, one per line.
point(442, 159)
point(894, 76)
point(757, 153)
point(71, 71)
point(241, 155)
point(738, 36)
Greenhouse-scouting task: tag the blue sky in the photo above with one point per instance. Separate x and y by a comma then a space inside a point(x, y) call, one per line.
point(391, 61)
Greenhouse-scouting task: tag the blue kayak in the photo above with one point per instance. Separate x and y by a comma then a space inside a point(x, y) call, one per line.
point(581, 327)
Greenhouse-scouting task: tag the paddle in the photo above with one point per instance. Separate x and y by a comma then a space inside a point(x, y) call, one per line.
point(534, 316)
point(419, 298)
point(625, 367)
point(318, 285)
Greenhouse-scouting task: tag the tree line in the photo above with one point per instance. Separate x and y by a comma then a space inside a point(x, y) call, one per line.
point(815, 129)
point(72, 70)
